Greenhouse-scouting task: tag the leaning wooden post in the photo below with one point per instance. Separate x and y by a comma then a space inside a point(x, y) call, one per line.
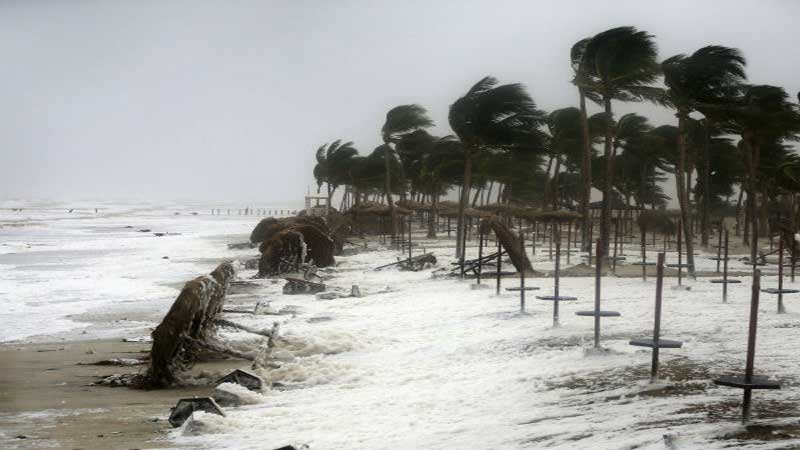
point(499, 264)
point(749, 381)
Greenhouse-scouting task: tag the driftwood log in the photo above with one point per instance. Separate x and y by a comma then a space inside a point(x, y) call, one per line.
point(510, 243)
point(191, 318)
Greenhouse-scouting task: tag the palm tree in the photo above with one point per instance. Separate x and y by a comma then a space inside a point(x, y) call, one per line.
point(617, 64)
point(564, 144)
point(333, 161)
point(581, 79)
point(400, 120)
point(492, 118)
point(707, 79)
point(763, 116)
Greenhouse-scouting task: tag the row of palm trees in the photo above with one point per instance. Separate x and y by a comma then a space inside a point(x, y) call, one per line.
point(730, 133)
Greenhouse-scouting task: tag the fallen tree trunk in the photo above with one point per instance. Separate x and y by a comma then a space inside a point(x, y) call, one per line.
point(510, 243)
point(191, 318)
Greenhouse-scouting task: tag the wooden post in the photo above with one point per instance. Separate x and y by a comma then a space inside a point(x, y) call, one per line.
point(644, 253)
point(781, 309)
point(616, 239)
point(751, 345)
point(499, 264)
point(680, 257)
point(522, 274)
point(550, 235)
point(569, 240)
point(598, 275)
point(657, 322)
point(480, 252)
point(557, 274)
point(725, 271)
point(719, 245)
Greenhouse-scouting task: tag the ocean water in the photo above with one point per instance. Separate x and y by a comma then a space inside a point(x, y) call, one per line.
point(87, 274)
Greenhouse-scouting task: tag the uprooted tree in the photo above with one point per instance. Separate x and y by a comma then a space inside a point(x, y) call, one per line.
point(189, 331)
point(510, 242)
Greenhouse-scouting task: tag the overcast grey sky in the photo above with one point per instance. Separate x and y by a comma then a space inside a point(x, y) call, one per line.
point(227, 100)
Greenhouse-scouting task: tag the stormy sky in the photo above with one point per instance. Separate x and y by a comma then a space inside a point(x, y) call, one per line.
point(227, 100)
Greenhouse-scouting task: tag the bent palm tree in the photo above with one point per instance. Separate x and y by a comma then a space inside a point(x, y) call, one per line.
point(400, 120)
point(332, 166)
point(618, 64)
point(707, 79)
point(492, 118)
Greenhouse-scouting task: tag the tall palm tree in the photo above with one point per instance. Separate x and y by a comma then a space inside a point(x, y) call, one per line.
point(706, 79)
point(400, 120)
point(581, 80)
point(618, 64)
point(333, 161)
point(763, 115)
point(492, 118)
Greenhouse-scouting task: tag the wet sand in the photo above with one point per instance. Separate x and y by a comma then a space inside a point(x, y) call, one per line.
point(46, 400)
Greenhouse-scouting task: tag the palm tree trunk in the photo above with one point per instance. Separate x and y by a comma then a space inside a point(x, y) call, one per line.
point(556, 183)
point(432, 219)
point(605, 216)
point(462, 204)
point(704, 225)
point(683, 197)
point(475, 197)
point(388, 187)
point(586, 173)
point(547, 182)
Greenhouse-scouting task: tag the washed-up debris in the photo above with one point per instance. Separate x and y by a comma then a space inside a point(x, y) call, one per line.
point(241, 377)
point(116, 362)
point(187, 406)
point(415, 263)
point(295, 286)
point(329, 295)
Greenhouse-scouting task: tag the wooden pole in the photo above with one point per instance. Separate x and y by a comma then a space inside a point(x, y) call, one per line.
point(781, 309)
point(751, 345)
point(480, 253)
point(556, 281)
point(522, 274)
point(644, 253)
point(680, 257)
point(657, 324)
point(499, 264)
point(719, 245)
point(598, 275)
point(616, 239)
point(725, 271)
